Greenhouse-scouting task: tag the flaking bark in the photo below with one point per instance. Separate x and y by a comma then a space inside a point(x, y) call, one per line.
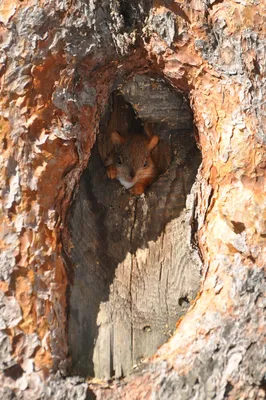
point(59, 62)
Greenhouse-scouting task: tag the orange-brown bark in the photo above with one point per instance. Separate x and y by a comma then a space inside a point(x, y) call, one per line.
point(50, 112)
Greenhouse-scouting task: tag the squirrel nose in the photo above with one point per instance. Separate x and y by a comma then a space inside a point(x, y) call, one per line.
point(131, 173)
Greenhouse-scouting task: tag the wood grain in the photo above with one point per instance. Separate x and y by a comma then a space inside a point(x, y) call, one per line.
point(135, 276)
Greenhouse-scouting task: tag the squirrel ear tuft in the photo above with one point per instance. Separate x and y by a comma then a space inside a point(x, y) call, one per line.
point(117, 139)
point(153, 142)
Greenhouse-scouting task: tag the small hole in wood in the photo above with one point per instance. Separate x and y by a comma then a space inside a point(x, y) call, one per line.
point(183, 301)
point(147, 328)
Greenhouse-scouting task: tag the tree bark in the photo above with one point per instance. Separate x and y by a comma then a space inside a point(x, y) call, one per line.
point(60, 61)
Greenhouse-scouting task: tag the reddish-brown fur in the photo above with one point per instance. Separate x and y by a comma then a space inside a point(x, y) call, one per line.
point(131, 161)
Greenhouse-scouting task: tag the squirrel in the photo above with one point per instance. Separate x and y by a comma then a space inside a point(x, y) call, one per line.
point(131, 161)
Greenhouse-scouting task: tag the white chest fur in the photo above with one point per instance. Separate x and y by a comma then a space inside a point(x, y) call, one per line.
point(127, 184)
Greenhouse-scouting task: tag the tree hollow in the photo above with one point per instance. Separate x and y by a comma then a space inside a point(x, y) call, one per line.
point(135, 275)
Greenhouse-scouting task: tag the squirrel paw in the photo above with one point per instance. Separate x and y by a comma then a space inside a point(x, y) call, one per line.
point(137, 189)
point(111, 172)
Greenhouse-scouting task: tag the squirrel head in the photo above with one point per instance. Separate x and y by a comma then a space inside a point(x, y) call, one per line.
point(133, 159)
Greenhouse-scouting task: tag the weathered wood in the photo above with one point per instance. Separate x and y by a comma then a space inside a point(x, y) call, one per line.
point(158, 103)
point(135, 276)
point(60, 60)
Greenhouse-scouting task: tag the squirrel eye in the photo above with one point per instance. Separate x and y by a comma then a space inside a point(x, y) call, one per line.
point(145, 164)
point(119, 161)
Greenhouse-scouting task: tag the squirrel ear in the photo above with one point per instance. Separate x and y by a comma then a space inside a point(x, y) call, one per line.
point(117, 139)
point(153, 142)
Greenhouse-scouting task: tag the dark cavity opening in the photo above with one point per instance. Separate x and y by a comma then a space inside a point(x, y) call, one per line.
point(135, 275)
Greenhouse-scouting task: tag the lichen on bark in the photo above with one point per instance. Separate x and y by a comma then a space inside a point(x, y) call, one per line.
point(59, 61)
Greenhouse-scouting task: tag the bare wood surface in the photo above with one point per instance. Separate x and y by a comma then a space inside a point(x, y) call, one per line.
point(135, 276)
point(60, 60)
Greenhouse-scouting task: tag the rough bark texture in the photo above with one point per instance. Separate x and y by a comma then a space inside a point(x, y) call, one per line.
point(59, 62)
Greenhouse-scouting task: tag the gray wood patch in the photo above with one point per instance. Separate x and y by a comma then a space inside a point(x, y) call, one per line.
point(135, 276)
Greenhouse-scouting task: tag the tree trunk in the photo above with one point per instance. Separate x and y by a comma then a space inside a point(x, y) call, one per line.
point(60, 62)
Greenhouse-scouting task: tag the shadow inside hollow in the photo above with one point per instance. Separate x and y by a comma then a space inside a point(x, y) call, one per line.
point(132, 265)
